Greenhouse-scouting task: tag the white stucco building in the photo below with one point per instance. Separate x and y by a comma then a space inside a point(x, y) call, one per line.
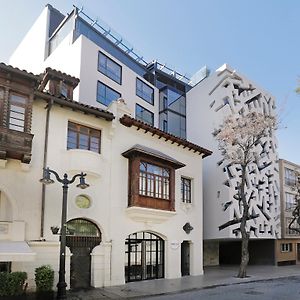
point(140, 218)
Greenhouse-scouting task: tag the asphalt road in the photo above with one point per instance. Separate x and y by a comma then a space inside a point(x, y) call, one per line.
point(277, 289)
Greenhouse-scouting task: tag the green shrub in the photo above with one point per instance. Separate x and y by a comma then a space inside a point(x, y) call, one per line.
point(12, 284)
point(44, 278)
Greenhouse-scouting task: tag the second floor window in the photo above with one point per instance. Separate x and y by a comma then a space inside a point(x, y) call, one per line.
point(289, 231)
point(186, 190)
point(109, 68)
point(289, 201)
point(144, 91)
point(144, 115)
point(105, 94)
point(289, 176)
point(82, 137)
point(154, 181)
point(17, 110)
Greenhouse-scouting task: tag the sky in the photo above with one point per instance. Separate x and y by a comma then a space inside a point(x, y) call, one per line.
point(258, 38)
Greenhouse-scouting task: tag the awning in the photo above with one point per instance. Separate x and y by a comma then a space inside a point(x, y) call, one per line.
point(15, 251)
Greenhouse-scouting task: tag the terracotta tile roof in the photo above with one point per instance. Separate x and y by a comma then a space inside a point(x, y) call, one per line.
point(9, 68)
point(75, 105)
point(129, 121)
point(61, 75)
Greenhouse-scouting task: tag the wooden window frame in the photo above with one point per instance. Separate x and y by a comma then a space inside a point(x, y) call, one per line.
point(162, 192)
point(134, 197)
point(25, 106)
point(90, 135)
point(185, 192)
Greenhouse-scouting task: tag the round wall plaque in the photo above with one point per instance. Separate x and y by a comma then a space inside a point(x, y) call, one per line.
point(83, 201)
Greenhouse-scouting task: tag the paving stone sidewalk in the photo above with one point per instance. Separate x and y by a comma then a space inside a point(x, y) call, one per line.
point(213, 276)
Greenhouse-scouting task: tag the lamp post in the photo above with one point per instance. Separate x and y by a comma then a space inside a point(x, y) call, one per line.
point(61, 285)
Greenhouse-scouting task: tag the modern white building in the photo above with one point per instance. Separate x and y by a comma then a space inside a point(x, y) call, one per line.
point(108, 68)
point(140, 218)
point(223, 93)
point(188, 108)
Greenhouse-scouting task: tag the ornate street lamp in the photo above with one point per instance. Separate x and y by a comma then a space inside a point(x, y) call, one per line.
point(61, 285)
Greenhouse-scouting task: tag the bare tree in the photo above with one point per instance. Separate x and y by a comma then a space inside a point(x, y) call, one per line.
point(238, 138)
point(295, 222)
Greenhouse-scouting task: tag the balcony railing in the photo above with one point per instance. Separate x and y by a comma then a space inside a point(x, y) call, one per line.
point(15, 144)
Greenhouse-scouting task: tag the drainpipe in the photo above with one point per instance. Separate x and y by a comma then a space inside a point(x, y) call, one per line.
point(48, 107)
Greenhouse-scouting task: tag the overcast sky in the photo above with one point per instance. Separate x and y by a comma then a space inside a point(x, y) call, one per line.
point(259, 38)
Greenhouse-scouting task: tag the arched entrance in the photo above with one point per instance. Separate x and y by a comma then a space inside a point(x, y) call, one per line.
point(82, 237)
point(144, 256)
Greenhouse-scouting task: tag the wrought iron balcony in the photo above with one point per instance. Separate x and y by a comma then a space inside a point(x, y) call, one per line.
point(15, 144)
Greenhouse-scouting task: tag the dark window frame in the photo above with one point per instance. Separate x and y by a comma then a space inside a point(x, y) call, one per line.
point(90, 135)
point(140, 119)
point(5, 266)
point(107, 87)
point(134, 197)
point(147, 244)
point(24, 106)
point(186, 189)
point(154, 185)
point(140, 96)
point(286, 247)
point(104, 72)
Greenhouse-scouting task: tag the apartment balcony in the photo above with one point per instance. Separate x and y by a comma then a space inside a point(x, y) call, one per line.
point(15, 144)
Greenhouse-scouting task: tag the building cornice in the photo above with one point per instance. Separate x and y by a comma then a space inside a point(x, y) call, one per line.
point(129, 122)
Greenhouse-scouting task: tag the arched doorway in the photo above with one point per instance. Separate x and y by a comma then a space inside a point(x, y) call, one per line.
point(82, 237)
point(144, 256)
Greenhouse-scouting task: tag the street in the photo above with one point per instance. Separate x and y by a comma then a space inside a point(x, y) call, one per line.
point(277, 289)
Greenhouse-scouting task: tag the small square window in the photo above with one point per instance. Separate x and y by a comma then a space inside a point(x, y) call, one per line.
point(5, 266)
point(286, 247)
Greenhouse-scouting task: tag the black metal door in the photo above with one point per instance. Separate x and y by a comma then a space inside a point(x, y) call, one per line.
point(82, 237)
point(80, 268)
point(185, 258)
point(144, 257)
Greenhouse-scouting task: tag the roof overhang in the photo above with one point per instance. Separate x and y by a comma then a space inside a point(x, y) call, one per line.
point(15, 251)
point(76, 106)
point(139, 150)
point(129, 122)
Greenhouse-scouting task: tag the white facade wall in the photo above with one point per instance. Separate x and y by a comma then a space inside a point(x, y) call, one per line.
point(223, 93)
point(107, 174)
point(31, 52)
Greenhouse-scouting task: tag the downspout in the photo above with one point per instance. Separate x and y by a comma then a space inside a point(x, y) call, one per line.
point(48, 107)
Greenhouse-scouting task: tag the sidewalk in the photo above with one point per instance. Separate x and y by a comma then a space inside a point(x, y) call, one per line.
point(213, 276)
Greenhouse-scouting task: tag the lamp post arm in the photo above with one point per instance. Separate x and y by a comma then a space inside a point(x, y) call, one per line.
point(56, 175)
point(77, 175)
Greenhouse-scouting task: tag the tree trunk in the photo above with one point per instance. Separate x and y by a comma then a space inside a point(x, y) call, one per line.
point(245, 235)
